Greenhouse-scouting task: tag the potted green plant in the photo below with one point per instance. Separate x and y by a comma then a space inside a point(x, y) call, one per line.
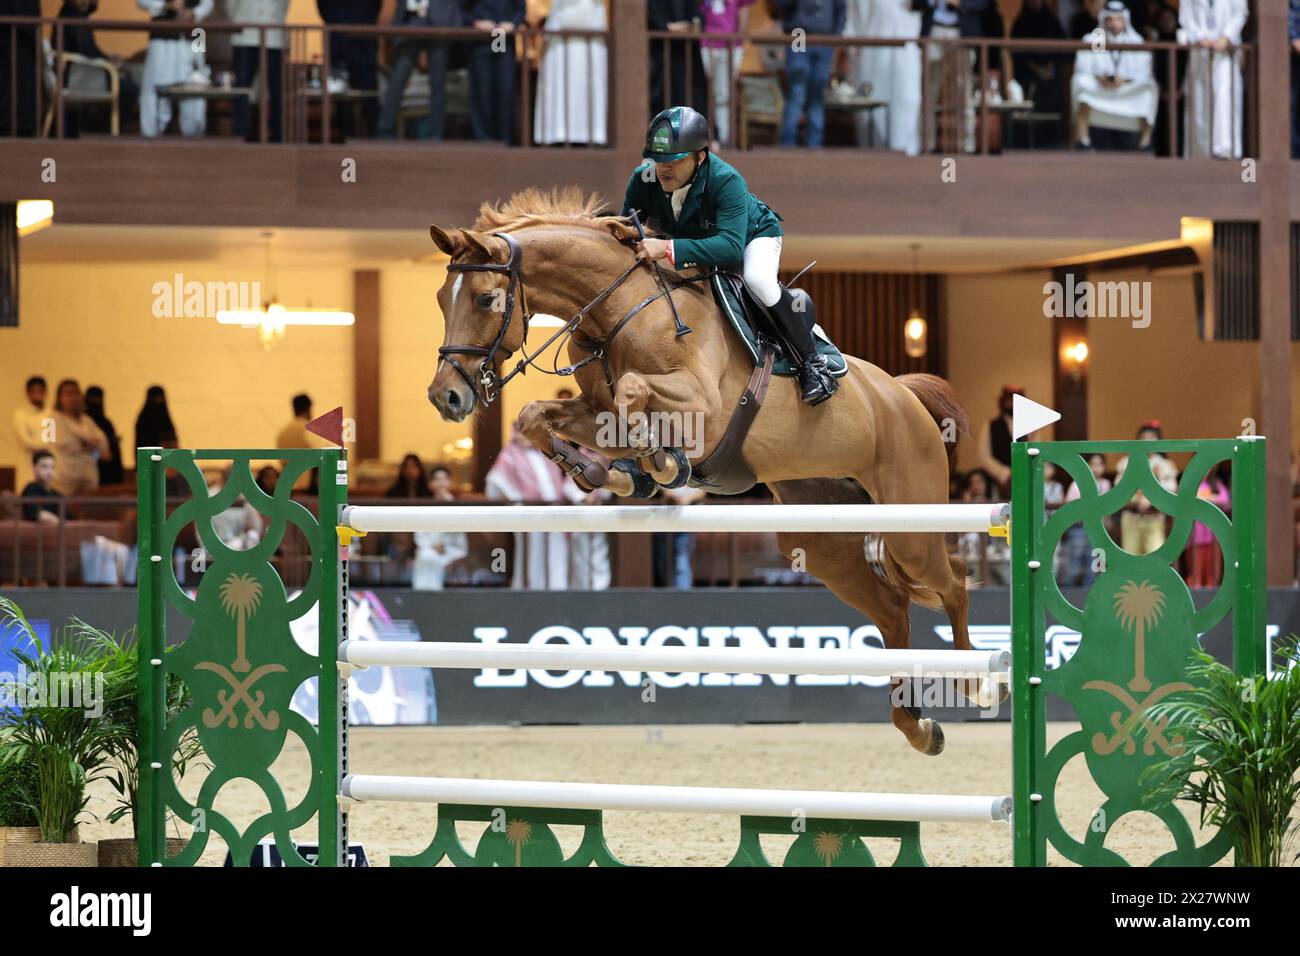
point(123, 760)
point(57, 723)
point(18, 822)
point(1241, 754)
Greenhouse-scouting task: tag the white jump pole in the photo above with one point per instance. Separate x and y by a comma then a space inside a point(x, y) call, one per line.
point(614, 796)
point(676, 659)
point(927, 518)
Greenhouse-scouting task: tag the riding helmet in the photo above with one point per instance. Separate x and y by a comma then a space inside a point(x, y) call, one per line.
point(676, 132)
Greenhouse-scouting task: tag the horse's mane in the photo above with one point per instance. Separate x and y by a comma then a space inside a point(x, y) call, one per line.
point(569, 206)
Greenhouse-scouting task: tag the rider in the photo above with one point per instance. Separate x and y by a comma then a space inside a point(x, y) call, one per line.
point(714, 220)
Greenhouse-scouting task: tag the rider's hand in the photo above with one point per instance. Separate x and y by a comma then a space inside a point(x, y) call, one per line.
point(649, 249)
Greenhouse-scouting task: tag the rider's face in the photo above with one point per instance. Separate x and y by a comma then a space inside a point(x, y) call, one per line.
point(676, 174)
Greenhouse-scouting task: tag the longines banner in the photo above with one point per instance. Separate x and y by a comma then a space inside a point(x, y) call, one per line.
point(717, 617)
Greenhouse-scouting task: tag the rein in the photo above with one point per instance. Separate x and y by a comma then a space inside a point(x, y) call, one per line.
point(490, 383)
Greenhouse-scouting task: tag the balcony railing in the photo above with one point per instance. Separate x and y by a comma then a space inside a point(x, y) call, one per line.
point(958, 111)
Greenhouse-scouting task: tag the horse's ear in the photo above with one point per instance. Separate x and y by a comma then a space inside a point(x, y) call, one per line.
point(448, 241)
point(456, 242)
point(622, 230)
point(477, 243)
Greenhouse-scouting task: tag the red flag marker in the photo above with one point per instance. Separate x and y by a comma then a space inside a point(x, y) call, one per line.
point(329, 426)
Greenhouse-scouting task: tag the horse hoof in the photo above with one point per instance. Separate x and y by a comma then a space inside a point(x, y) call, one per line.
point(936, 738)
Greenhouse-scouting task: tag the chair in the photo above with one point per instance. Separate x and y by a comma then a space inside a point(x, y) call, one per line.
point(761, 102)
point(87, 82)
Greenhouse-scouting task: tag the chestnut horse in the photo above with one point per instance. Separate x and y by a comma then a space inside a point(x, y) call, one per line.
point(878, 440)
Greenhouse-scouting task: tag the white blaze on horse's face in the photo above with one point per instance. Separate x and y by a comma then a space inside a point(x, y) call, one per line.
point(473, 307)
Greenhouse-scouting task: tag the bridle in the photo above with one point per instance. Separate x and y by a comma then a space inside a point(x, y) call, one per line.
point(490, 383)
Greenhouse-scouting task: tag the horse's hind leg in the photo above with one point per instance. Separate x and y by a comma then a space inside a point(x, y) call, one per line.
point(924, 558)
point(839, 561)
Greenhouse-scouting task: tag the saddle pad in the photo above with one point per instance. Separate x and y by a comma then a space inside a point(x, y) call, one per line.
point(728, 297)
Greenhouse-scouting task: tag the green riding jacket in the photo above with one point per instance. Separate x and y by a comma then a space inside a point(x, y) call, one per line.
point(719, 217)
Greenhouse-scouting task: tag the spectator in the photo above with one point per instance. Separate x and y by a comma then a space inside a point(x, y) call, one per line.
point(295, 435)
point(672, 550)
point(893, 72)
point(677, 75)
point(410, 481)
point(171, 59)
point(406, 51)
point(521, 473)
point(572, 93)
point(1142, 528)
point(267, 476)
point(354, 59)
point(950, 67)
point(435, 551)
point(240, 525)
point(989, 555)
point(1039, 72)
point(1077, 563)
point(81, 41)
point(995, 441)
point(31, 428)
point(1053, 490)
point(722, 58)
point(808, 67)
point(1213, 89)
point(492, 68)
point(20, 56)
point(1164, 29)
point(77, 442)
point(1293, 31)
point(1085, 20)
point(1205, 557)
point(153, 426)
point(246, 52)
point(41, 486)
point(1114, 91)
point(111, 470)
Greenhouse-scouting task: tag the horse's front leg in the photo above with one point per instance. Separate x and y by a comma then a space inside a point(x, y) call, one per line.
point(560, 428)
point(663, 419)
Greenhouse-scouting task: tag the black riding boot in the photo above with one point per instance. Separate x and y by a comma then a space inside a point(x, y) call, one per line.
point(816, 384)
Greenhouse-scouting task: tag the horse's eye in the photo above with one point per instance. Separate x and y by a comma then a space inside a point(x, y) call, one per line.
point(486, 300)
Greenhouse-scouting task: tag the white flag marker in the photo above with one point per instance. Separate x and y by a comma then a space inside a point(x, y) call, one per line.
point(1028, 416)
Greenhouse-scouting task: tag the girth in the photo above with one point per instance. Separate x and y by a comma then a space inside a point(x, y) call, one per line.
point(724, 471)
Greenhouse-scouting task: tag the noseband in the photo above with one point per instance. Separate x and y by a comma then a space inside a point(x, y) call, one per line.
point(490, 383)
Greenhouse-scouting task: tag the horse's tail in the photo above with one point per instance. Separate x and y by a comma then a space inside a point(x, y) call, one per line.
point(944, 407)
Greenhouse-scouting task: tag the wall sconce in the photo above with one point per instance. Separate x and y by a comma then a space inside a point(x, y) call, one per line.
point(915, 334)
point(1076, 355)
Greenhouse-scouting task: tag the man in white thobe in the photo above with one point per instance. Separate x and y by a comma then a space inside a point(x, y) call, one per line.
point(571, 79)
point(172, 59)
point(894, 72)
point(1114, 89)
point(1213, 86)
point(32, 426)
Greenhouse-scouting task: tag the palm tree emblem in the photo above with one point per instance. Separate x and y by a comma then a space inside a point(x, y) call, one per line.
point(240, 596)
point(1139, 608)
point(518, 834)
point(828, 846)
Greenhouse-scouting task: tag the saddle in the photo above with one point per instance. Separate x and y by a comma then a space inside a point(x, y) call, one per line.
point(750, 320)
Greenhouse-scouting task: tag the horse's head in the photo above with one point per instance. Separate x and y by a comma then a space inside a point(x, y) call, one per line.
point(484, 322)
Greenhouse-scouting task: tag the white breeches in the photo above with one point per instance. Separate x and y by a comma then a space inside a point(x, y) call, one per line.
point(762, 263)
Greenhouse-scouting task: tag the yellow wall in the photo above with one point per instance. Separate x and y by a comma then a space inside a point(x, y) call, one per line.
point(998, 334)
point(94, 322)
